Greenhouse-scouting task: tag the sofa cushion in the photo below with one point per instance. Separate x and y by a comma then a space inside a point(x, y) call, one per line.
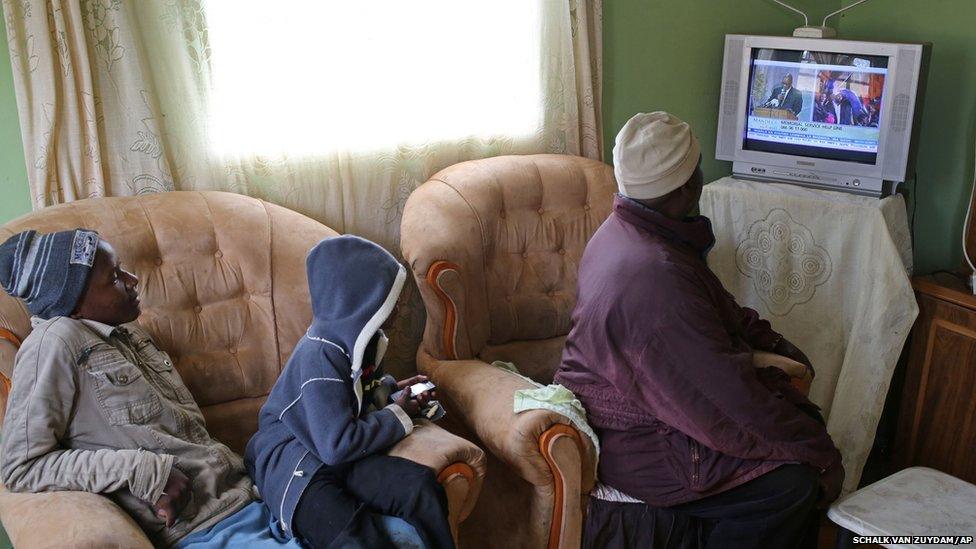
point(515, 227)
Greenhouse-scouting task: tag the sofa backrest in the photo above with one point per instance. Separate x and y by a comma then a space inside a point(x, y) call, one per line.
point(223, 287)
point(495, 246)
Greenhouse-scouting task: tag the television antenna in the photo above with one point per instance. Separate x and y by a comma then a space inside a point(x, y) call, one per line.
point(810, 31)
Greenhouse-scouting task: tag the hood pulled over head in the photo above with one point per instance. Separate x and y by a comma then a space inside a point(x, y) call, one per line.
point(354, 285)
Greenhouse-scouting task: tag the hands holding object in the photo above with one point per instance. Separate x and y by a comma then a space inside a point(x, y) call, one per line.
point(414, 397)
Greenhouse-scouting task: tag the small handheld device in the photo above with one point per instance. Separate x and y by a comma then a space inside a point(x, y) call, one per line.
point(419, 388)
point(415, 390)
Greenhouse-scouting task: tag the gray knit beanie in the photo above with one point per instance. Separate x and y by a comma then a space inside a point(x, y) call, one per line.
point(48, 271)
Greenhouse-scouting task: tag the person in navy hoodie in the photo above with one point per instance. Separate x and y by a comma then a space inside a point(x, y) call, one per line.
point(319, 455)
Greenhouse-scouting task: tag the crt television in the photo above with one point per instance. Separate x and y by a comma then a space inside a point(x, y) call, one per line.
point(834, 114)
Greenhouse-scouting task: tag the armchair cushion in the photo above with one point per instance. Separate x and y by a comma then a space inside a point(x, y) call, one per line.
point(537, 360)
point(68, 519)
point(513, 228)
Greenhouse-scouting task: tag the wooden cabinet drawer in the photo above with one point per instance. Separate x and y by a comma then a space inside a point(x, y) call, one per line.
point(937, 425)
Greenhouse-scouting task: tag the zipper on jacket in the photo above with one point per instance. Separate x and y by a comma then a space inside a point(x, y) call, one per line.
point(281, 510)
point(695, 460)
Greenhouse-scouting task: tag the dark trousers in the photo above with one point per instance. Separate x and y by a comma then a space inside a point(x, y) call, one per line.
point(338, 506)
point(774, 510)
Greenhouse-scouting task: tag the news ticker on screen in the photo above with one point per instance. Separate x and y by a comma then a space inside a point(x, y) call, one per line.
point(834, 136)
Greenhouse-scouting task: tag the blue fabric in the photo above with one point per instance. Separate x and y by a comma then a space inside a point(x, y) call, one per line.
point(48, 271)
point(400, 533)
point(315, 413)
point(245, 528)
point(249, 528)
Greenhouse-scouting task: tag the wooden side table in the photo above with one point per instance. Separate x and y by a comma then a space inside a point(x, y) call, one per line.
point(937, 423)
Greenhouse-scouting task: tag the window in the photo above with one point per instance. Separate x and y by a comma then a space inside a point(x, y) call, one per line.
point(309, 77)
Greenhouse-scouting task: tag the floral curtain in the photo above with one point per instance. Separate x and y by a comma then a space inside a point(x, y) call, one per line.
point(116, 98)
point(88, 114)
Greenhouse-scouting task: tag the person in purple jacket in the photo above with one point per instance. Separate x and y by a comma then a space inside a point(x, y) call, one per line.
point(661, 355)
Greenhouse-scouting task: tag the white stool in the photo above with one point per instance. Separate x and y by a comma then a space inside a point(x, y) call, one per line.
point(917, 501)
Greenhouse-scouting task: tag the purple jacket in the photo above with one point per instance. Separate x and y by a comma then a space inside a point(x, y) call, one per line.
point(661, 356)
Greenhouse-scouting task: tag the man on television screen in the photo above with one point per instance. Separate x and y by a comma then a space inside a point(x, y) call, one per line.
point(786, 96)
point(839, 106)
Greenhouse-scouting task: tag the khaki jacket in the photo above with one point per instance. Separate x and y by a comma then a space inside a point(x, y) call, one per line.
point(100, 409)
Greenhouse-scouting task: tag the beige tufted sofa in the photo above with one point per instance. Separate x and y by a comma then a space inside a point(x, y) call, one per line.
point(224, 291)
point(495, 247)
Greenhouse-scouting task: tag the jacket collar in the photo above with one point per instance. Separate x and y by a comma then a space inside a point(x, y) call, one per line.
point(691, 232)
point(101, 329)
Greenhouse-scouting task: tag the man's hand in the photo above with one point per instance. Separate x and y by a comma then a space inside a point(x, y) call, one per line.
point(412, 406)
point(175, 497)
point(831, 482)
point(787, 349)
point(762, 359)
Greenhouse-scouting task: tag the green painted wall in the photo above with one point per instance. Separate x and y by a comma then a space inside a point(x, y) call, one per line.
point(945, 146)
point(667, 55)
point(14, 195)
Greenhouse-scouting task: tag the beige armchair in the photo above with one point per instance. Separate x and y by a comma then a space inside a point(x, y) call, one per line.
point(495, 247)
point(223, 283)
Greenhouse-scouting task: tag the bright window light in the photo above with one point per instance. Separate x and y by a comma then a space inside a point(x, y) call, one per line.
point(315, 76)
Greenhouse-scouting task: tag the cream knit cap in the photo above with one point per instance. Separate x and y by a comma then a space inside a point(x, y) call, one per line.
point(655, 153)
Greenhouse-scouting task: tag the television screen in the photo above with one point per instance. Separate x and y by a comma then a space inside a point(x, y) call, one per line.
point(815, 104)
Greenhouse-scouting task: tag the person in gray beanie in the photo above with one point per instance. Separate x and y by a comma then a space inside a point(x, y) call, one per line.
point(698, 423)
point(48, 272)
point(96, 406)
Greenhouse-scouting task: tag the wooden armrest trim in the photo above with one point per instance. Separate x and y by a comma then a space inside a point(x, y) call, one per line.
point(5, 384)
point(463, 470)
point(455, 469)
point(550, 436)
point(10, 336)
point(450, 308)
point(450, 473)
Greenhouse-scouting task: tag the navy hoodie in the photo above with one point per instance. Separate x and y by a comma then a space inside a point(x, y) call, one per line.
point(315, 415)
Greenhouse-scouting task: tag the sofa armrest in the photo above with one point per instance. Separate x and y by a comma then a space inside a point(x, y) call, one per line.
point(459, 464)
point(68, 519)
point(540, 446)
point(483, 397)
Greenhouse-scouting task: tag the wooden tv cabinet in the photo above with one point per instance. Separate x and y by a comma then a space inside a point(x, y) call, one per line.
point(937, 422)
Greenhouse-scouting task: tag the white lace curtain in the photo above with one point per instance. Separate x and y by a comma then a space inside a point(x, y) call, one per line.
point(129, 97)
